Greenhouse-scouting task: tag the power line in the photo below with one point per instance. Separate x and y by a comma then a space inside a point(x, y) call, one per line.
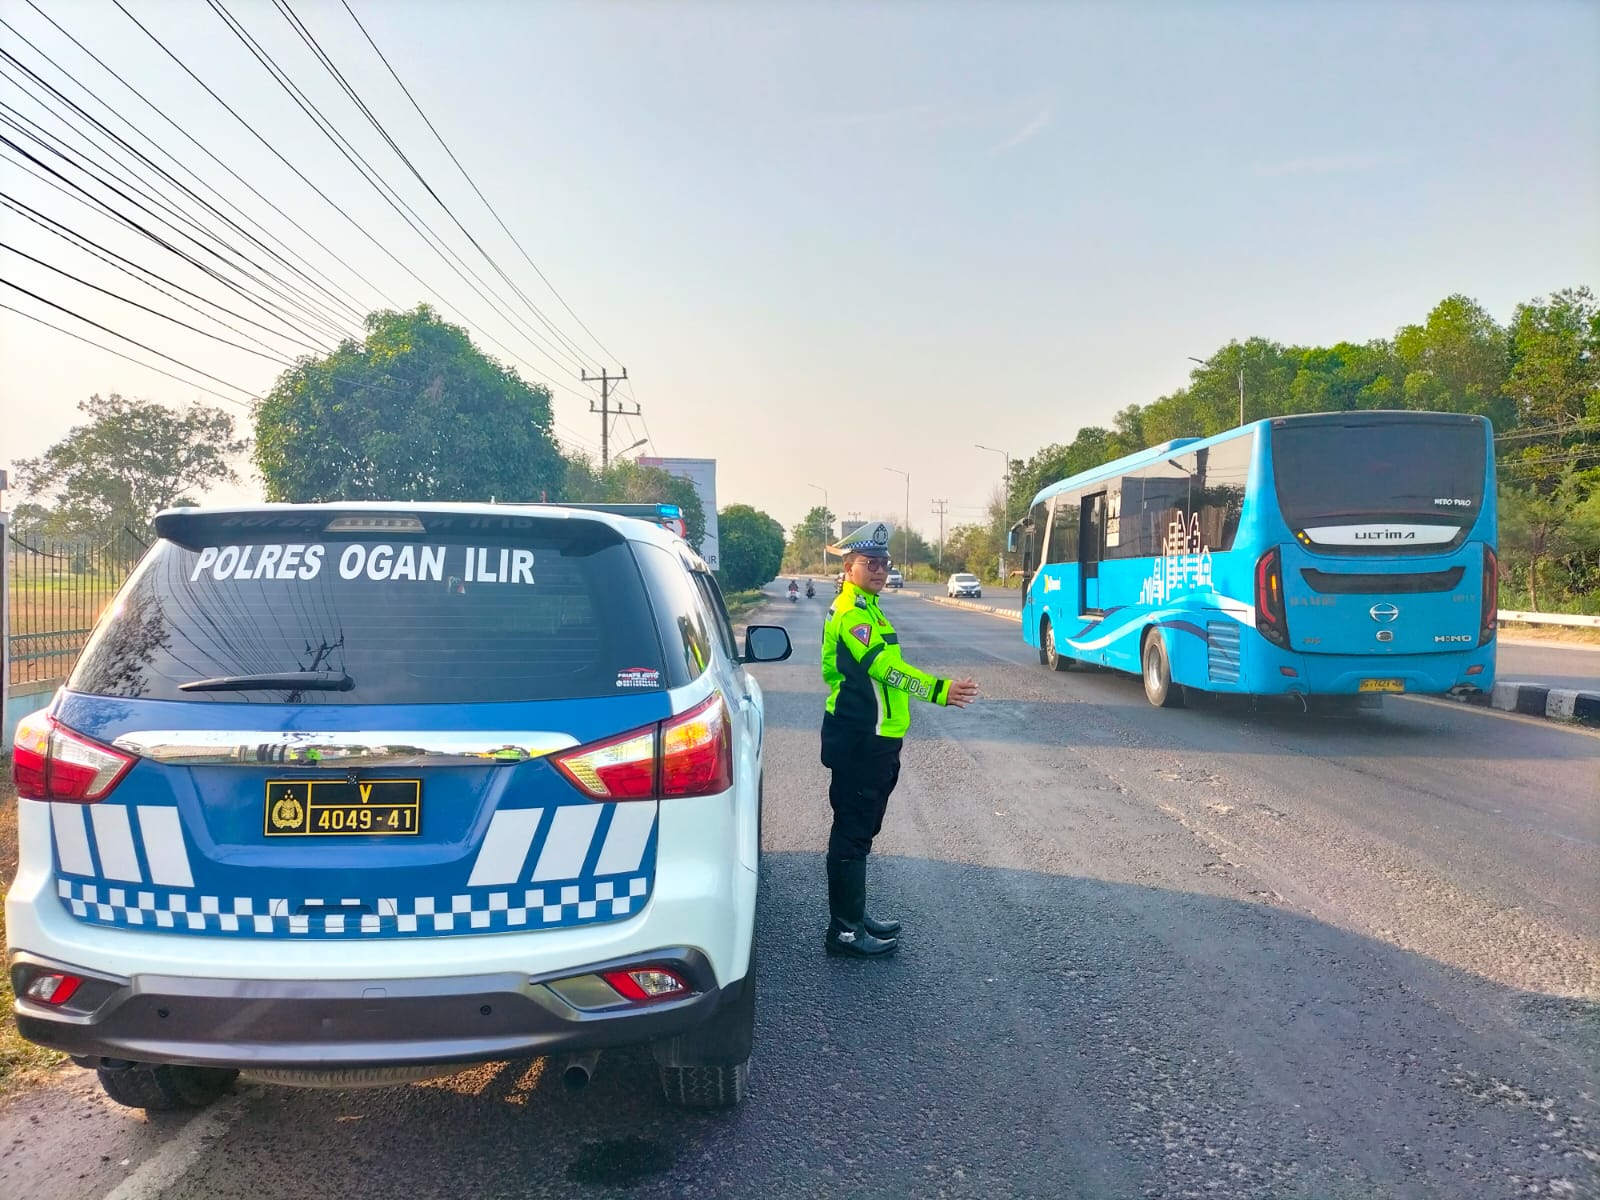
point(112, 259)
point(374, 178)
point(310, 309)
point(310, 314)
point(125, 338)
point(208, 153)
point(438, 137)
point(361, 228)
point(328, 64)
point(129, 149)
point(144, 308)
point(96, 203)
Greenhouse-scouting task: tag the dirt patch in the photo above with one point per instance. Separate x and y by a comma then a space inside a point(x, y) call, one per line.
point(1553, 634)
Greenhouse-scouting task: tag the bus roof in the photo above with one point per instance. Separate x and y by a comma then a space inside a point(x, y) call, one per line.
point(1128, 462)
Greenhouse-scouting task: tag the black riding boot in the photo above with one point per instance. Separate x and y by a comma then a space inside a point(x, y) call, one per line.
point(880, 929)
point(847, 901)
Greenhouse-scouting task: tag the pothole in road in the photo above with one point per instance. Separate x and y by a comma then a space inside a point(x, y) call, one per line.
point(620, 1162)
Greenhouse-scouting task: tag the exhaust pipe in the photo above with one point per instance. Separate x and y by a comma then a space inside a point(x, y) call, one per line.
point(579, 1069)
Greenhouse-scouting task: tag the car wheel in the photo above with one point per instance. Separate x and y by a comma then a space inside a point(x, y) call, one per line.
point(1048, 654)
point(709, 1067)
point(165, 1088)
point(1158, 688)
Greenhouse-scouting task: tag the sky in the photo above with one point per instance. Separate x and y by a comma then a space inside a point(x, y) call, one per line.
point(828, 242)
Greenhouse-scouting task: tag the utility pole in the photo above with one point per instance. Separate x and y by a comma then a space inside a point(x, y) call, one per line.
point(939, 511)
point(606, 411)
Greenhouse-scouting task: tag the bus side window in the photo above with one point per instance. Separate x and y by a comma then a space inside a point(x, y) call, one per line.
point(1063, 543)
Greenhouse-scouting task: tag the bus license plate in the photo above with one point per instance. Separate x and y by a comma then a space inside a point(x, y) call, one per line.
point(1383, 685)
point(335, 807)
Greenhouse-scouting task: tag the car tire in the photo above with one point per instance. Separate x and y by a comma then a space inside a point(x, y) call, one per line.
point(1048, 654)
point(709, 1067)
point(1157, 674)
point(165, 1088)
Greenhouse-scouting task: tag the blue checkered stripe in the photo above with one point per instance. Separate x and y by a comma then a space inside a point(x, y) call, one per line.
point(480, 912)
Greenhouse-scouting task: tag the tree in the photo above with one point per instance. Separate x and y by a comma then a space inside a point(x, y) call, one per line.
point(1456, 361)
point(1536, 526)
point(129, 461)
point(29, 521)
point(807, 539)
point(415, 412)
point(626, 482)
point(751, 545)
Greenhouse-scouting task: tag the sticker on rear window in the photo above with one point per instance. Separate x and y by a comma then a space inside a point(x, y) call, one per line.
point(380, 563)
point(638, 677)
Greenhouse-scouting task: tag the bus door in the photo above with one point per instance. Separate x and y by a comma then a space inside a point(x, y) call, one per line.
point(1091, 544)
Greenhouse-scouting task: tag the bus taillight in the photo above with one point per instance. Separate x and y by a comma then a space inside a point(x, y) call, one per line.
point(1272, 618)
point(1489, 619)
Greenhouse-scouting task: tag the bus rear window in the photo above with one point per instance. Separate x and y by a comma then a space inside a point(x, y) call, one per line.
point(1379, 471)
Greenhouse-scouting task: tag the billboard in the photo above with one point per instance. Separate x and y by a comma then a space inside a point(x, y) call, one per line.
point(702, 472)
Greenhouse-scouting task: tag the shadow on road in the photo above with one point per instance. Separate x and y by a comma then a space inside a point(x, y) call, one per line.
point(1037, 1035)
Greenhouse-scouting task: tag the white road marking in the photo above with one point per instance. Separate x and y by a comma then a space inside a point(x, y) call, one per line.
point(167, 1165)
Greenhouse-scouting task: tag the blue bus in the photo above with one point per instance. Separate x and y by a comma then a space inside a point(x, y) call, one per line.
point(1323, 555)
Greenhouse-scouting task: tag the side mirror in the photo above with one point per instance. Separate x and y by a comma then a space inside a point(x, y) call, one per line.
point(766, 643)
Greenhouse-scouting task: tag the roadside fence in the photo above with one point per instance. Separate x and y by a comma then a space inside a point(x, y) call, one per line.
point(56, 589)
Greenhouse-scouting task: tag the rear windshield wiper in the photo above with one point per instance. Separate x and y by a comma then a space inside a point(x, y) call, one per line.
point(299, 681)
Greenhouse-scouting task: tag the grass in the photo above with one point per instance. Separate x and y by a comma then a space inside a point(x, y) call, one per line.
point(740, 604)
point(21, 1062)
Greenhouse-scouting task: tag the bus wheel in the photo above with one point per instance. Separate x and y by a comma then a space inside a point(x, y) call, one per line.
point(1048, 654)
point(1158, 685)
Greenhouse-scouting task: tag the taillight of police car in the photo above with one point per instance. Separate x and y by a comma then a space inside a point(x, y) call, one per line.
point(53, 987)
point(690, 755)
point(50, 762)
point(647, 983)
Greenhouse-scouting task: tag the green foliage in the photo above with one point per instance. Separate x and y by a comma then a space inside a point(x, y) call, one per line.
point(627, 482)
point(814, 531)
point(414, 412)
point(751, 547)
point(129, 461)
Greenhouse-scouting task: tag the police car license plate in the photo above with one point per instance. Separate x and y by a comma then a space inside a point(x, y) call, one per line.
point(330, 807)
point(1383, 685)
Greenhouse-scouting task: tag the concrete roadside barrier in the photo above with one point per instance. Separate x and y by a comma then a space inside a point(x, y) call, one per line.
point(1538, 700)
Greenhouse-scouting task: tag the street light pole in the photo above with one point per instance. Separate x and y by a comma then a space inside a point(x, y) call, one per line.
point(829, 513)
point(1005, 477)
point(906, 529)
point(1206, 363)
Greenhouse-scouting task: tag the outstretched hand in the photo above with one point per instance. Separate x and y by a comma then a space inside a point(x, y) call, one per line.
point(962, 693)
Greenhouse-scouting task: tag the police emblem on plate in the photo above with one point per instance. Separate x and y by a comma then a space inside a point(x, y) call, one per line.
point(287, 813)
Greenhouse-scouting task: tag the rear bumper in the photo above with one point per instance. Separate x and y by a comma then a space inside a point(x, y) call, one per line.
point(312, 1024)
point(1420, 674)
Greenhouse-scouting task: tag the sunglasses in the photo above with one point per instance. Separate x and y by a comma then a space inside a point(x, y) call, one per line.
point(874, 564)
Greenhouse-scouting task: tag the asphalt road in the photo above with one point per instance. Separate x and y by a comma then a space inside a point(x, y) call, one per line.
point(1148, 954)
point(1561, 665)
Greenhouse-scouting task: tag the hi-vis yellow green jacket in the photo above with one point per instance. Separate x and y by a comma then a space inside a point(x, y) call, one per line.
point(869, 683)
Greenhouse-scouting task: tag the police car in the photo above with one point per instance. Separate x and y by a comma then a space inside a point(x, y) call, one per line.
point(359, 793)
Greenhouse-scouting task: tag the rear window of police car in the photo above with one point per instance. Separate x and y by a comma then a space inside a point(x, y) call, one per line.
point(431, 619)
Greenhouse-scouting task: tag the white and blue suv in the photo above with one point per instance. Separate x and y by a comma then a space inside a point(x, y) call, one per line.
point(355, 793)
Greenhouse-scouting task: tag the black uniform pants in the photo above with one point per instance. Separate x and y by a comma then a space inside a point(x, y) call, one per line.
point(865, 769)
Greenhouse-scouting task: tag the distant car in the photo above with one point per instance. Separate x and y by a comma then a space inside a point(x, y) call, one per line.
point(963, 585)
point(894, 580)
point(372, 791)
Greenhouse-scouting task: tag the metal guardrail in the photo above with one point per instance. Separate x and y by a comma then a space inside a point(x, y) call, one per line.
point(1536, 618)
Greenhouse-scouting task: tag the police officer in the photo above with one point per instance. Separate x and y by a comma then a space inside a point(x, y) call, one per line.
point(870, 687)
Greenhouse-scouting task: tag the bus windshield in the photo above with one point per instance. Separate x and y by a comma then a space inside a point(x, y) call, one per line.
point(1386, 470)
